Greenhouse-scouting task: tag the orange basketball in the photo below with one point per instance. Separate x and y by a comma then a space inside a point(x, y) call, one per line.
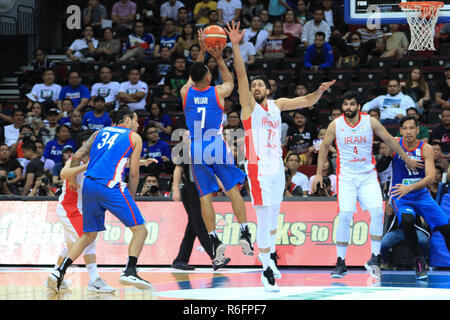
point(214, 36)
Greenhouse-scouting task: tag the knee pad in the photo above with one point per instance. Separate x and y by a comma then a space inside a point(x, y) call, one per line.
point(376, 221)
point(275, 210)
point(63, 253)
point(90, 249)
point(343, 228)
point(263, 238)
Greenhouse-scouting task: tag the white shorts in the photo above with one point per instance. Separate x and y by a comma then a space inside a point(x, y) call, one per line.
point(266, 181)
point(72, 222)
point(363, 188)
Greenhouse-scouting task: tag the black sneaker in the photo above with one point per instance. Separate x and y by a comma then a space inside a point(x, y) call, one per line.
point(340, 270)
point(218, 249)
point(182, 266)
point(421, 268)
point(220, 264)
point(268, 280)
point(373, 266)
point(130, 278)
point(245, 242)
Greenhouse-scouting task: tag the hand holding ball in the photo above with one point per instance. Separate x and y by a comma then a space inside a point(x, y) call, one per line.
point(214, 36)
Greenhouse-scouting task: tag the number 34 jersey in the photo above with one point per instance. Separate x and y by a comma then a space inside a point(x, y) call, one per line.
point(109, 155)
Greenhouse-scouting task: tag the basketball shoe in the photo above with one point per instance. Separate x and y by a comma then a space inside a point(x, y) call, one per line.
point(340, 270)
point(421, 268)
point(130, 278)
point(99, 286)
point(245, 242)
point(373, 266)
point(268, 280)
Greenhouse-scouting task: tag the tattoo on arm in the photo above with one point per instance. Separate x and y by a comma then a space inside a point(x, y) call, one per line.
point(83, 151)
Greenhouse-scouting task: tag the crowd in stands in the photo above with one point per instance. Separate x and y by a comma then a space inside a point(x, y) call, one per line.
point(142, 60)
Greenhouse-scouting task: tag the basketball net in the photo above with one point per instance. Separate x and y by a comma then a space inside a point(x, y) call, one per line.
point(422, 18)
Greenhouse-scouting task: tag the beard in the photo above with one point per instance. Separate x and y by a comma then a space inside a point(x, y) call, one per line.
point(351, 114)
point(260, 99)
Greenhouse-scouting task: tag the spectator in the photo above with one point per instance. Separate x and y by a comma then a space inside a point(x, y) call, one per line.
point(353, 53)
point(395, 235)
point(319, 55)
point(265, 22)
point(417, 88)
point(75, 91)
point(371, 33)
point(123, 13)
point(256, 35)
point(26, 134)
point(109, 49)
point(66, 108)
point(334, 18)
point(41, 187)
point(313, 26)
point(154, 147)
point(423, 131)
point(300, 137)
point(328, 171)
point(213, 17)
point(216, 78)
point(332, 153)
point(75, 125)
point(50, 128)
point(441, 133)
point(47, 92)
point(168, 38)
point(303, 15)
point(150, 187)
point(248, 52)
point(396, 44)
point(186, 40)
point(53, 149)
point(150, 13)
point(140, 45)
point(134, 91)
point(11, 169)
point(67, 152)
point(182, 20)
point(384, 176)
point(161, 121)
point(40, 64)
point(312, 112)
point(250, 9)
point(85, 48)
point(99, 118)
point(392, 106)
point(4, 186)
point(169, 10)
point(335, 112)
point(176, 78)
point(229, 10)
point(49, 164)
point(34, 169)
point(298, 179)
point(12, 131)
point(275, 90)
point(442, 94)
point(439, 161)
point(194, 52)
point(278, 44)
point(94, 13)
point(292, 26)
point(434, 186)
point(163, 66)
point(107, 89)
point(202, 10)
point(277, 9)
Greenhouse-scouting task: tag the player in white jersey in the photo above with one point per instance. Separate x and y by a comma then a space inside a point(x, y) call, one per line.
point(264, 163)
point(356, 176)
point(69, 214)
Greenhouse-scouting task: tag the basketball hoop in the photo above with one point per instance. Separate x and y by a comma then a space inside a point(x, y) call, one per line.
point(422, 17)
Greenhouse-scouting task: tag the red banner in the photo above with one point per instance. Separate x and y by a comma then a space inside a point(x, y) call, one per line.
point(31, 234)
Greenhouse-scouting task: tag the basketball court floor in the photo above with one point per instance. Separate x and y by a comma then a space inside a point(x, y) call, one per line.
point(232, 284)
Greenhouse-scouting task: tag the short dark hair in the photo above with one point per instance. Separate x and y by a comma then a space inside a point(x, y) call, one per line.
point(264, 79)
point(29, 145)
point(58, 128)
point(412, 108)
point(407, 118)
point(198, 71)
point(319, 34)
point(351, 94)
point(122, 113)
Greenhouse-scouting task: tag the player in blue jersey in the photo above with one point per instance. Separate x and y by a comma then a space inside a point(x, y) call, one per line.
point(211, 156)
point(109, 150)
point(409, 192)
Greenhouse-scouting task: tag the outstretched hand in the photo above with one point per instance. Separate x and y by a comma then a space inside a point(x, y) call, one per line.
point(233, 32)
point(326, 85)
point(216, 52)
point(201, 40)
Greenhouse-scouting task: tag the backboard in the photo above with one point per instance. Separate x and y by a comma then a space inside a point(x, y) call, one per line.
point(363, 12)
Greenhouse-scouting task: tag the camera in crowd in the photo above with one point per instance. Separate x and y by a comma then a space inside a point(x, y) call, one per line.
point(3, 179)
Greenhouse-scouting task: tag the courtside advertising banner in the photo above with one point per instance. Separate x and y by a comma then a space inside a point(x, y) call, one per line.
point(30, 234)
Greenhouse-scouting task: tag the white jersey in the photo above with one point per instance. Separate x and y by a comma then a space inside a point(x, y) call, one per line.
point(263, 133)
point(354, 146)
point(69, 198)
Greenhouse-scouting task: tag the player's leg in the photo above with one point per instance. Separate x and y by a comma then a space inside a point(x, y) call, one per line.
point(96, 283)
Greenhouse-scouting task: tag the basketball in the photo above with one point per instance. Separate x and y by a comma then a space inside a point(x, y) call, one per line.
point(214, 36)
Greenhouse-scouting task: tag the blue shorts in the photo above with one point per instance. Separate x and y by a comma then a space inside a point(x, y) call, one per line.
point(97, 198)
point(211, 159)
point(422, 204)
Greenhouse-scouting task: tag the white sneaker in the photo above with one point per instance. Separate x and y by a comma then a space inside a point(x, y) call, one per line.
point(54, 280)
point(272, 265)
point(268, 280)
point(99, 286)
point(65, 284)
point(134, 280)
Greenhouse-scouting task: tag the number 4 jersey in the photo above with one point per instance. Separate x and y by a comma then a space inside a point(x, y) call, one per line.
point(401, 174)
point(109, 155)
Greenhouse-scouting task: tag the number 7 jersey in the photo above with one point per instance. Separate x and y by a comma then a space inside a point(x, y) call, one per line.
point(109, 155)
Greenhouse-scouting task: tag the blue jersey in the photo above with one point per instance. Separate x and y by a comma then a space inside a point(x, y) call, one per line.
point(109, 155)
point(203, 113)
point(91, 121)
point(401, 174)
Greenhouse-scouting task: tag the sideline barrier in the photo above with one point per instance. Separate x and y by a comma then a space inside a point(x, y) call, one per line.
point(30, 234)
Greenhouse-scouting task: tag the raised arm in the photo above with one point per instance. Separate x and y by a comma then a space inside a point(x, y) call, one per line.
point(286, 104)
point(133, 180)
point(246, 98)
point(226, 88)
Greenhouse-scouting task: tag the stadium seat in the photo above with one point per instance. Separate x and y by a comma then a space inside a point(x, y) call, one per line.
point(266, 65)
point(409, 62)
point(373, 75)
point(438, 61)
point(311, 78)
point(382, 64)
point(433, 73)
point(168, 104)
point(434, 116)
point(400, 74)
point(64, 67)
point(392, 129)
point(296, 64)
point(364, 89)
point(324, 116)
point(282, 77)
point(342, 75)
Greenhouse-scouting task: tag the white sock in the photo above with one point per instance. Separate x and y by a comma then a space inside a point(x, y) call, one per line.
point(213, 233)
point(92, 270)
point(243, 226)
point(265, 259)
point(341, 251)
point(273, 239)
point(375, 246)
